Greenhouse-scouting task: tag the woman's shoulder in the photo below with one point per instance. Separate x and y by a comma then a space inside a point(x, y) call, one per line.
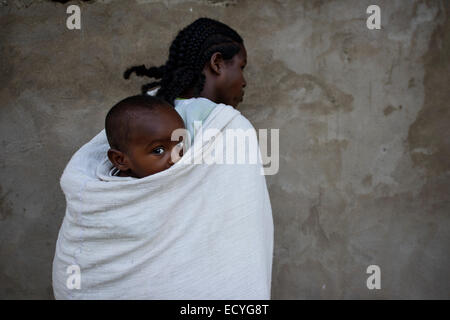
point(194, 108)
point(241, 122)
point(195, 103)
point(200, 108)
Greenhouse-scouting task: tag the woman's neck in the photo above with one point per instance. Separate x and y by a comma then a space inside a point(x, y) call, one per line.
point(207, 93)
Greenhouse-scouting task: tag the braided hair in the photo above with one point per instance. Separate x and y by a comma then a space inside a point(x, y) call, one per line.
point(190, 50)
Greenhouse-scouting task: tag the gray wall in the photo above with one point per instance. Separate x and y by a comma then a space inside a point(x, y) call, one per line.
point(364, 131)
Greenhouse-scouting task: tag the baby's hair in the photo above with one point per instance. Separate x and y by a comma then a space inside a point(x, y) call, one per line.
point(117, 121)
point(190, 50)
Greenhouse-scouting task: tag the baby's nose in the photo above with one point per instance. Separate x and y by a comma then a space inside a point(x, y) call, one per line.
point(176, 154)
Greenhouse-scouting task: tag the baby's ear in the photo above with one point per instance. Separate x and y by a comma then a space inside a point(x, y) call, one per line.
point(118, 159)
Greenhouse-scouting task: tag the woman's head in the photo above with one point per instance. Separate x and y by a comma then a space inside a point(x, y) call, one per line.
point(206, 59)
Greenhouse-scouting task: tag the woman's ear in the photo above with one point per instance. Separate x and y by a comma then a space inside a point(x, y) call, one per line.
point(216, 63)
point(118, 159)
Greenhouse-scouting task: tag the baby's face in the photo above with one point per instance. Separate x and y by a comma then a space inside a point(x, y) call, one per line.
point(150, 149)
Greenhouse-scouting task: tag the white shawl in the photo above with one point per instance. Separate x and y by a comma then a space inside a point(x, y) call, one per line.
point(194, 231)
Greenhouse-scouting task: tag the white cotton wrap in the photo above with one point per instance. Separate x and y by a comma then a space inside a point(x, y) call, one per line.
point(194, 231)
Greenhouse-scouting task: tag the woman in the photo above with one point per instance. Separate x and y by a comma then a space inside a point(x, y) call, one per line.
point(189, 232)
point(206, 59)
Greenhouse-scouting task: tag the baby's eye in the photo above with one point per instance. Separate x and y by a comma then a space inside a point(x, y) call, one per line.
point(159, 150)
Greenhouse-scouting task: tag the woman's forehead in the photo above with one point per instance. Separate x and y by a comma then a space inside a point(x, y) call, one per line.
point(243, 53)
point(240, 57)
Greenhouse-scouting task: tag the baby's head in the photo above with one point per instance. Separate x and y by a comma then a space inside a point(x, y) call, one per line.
point(139, 131)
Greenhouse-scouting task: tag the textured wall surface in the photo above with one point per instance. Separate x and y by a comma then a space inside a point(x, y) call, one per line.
point(364, 131)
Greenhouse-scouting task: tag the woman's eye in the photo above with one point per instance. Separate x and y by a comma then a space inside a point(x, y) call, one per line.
point(159, 150)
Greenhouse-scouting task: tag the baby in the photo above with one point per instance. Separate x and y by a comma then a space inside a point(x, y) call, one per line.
point(139, 131)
